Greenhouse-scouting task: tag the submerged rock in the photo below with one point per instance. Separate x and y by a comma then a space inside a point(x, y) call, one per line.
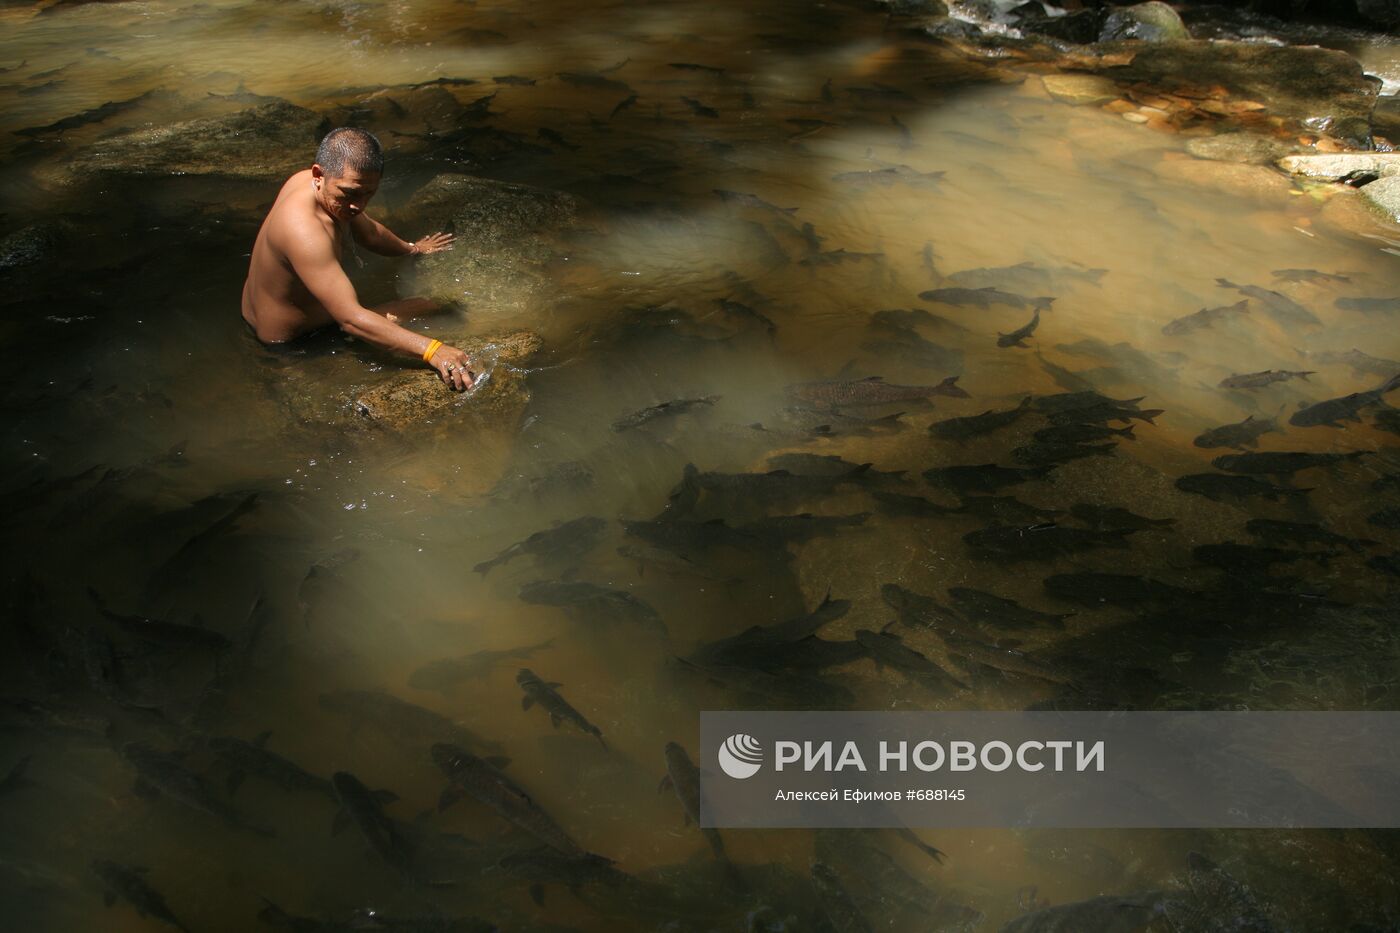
point(1384, 197)
point(30, 245)
point(1247, 181)
point(1237, 147)
point(1336, 166)
point(1081, 89)
point(507, 237)
point(1149, 22)
point(267, 142)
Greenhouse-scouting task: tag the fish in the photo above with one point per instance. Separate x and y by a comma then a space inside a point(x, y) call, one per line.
point(564, 543)
point(806, 126)
point(514, 80)
point(402, 720)
point(364, 809)
point(998, 612)
point(1223, 487)
point(1015, 338)
point(837, 257)
point(805, 655)
point(970, 426)
point(836, 902)
point(916, 609)
point(1088, 588)
point(888, 175)
point(1081, 433)
point(887, 649)
point(559, 710)
point(622, 105)
point(1332, 412)
point(683, 779)
point(564, 477)
point(699, 109)
point(245, 758)
point(1279, 306)
point(547, 866)
point(1247, 558)
point(159, 773)
point(590, 603)
point(906, 346)
point(984, 298)
point(781, 530)
point(1107, 913)
point(178, 564)
point(1308, 275)
point(1026, 276)
point(1041, 453)
point(747, 315)
point(831, 465)
point(1103, 516)
point(985, 477)
point(906, 138)
point(773, 486)
point(973, 653)
point(665, 409)
point(857, 852)
point(1040, 542)
point(1385, 518)
point(1362, 364)
point(1087, 399)
point(1006, 509)
point(690, 66)
point(128, 884)
point(1204, 319)
point(751, 200)
point(1279, 462)
point(814, 422)
point(689, 537)
point(1239, 435)
point(483, 780)
point(594, 81)
point(872, 390)
point(725, 650)
point(1385, 563)
point(557, 139)
point(1298, 533)
point(1097, 414)
point(787, 689)
point(96, 115)
point(24, 713)
point(444, 673)
point(1369, 305)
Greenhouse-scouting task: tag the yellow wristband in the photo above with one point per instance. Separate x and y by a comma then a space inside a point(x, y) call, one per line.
point(432, 348)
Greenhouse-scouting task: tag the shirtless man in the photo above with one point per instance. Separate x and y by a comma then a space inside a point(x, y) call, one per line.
point(295, 281)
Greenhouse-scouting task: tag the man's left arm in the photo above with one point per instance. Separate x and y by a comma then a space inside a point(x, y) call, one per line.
point(377, 238)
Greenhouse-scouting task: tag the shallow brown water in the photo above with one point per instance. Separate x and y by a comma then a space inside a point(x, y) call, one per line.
point(139, 413)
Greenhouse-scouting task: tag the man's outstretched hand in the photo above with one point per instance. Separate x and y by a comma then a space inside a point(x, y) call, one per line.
point(455, 368)
point(433, 243)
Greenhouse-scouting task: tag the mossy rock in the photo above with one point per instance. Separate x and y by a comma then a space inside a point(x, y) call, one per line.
point(1148, 22)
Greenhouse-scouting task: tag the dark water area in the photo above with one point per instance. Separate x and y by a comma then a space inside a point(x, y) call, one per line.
point(797, 198)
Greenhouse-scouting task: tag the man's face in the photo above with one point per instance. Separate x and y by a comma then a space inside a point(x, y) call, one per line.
point(345, 196)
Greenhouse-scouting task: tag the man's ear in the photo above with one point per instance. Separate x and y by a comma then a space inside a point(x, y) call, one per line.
point(317, 172)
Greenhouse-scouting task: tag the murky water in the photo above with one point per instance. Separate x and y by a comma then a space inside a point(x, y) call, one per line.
point(157, 457)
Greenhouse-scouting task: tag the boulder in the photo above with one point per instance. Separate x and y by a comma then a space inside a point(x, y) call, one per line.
point(1253, 182)
point(1324, 87)
point(1237, 147)
point(1080, 26)
point(1336, 166)
point(1081, 89)
point(1384, 197)
point(1148, 22)
point(29, 246)
point(1385, 118)
point(507, 237)
point(268, 142)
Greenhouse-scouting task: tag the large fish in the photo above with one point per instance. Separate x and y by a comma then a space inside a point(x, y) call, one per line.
point(873, 390)
point(402, 720)
point(1108, 913)
point(590, 603)
point(1280, 462)
point(563, 543)
point(364, 809)
point(1040, 542)
point(999, 612)
point(1223, 487)
point(160, 774)
point(1332, 412)
point(442, 674)
point(483, 780)
point(1260, 379)
point(970, 426)
point(1279, 306)
point(559, 709)
point(683, 778)
point(127, 884)
point(986, 477)
point(666, 409)
point(985, 298)
point(888, 650)
point(1239, 435)
point(245, 758)
point(1204, 318)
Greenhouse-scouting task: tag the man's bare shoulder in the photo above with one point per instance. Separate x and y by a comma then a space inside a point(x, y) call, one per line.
point(294, 226)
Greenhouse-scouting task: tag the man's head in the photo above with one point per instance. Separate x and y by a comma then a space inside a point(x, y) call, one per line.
point(347, 171)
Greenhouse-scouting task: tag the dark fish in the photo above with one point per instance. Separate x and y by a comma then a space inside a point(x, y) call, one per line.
point(916, 609)
point(444, 673)
point(829, 423)
point(1279, 462)
point(590, 603)
point(95, 115)
point(565, 477)
point(1114, 589)
point(837, 257)
point(888, 650)
point(559, 710)
point(1347, 408)
point(1363, 364)
point(666, 409)
point(1015, 338)
point(978, 425)
point(806, 126)
point(1006, 509)
point(985, 298)
point(906, 346)
point(986, 477)
point(836, 902)
point(1041, 453)
point(699, 109)
point(1108, 913)
point(1081, 433)
point(787, 689)
point(1246, 558)
point(563, 543)
point(1385, 518)
point(1385, 563)
point(773, 486)
point(804, 655)
point(683, 778)
point(831, 465)
point(1098, 414)
point(364, 809)
point(906, 138)
point(1280, 307)
point(1040, 542)
point(1080, 401)
point(1369, 305)
point(1204, 318)
point(1103, 516)
point(882, 177)
point(690, 66)
point(1308, 275)
point(1026, 277)
point(781, 530)
point(1222, 487)
point(738, 648)
point(482, 779)
point(1300, 533)
point(551, 136)
point(402, 720)
point(127, 884)
point(751, 200)
point(245, 758)
point(873, 390)
point(515, 80)
point(744, 313)
point(1240, 435)
point(546, 866)
point(896, 503)
point(857, 852)
point(158, 773)
point(595, 81)
point(23, 713)
point(687, 537)
point(997, 612)
point(622, 105)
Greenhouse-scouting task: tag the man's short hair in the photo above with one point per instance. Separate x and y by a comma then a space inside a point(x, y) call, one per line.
point(350, 149)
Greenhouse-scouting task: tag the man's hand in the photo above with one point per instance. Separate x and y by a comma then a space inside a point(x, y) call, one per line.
point(455, 368)
point(433, 243)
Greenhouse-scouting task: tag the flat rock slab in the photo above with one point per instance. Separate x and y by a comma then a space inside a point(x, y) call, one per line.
point(1384, 196)
point(1247, 181)
point(1339, 165)
point(1081, 89)
point(508, 236)
point(270, 141)
point(1237, 147)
